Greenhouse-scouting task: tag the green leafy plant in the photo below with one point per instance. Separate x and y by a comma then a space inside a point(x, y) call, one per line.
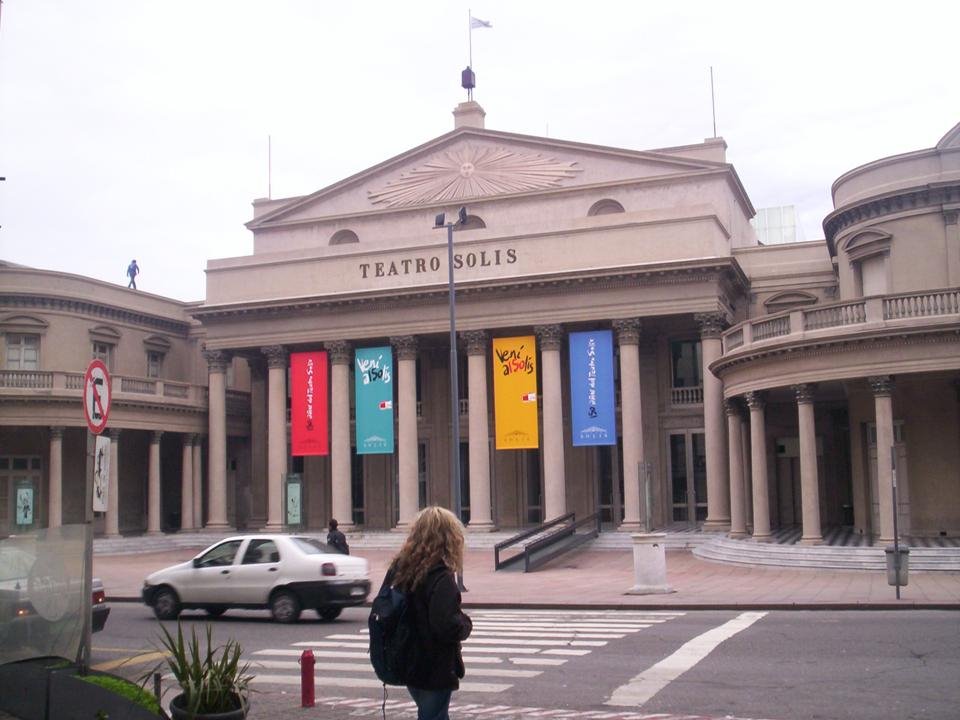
point(125, 688)
point(211, 677)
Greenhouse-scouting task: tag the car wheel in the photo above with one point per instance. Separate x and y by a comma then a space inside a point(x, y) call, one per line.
point(285, 606)
point(216, 611)
point(166, 604)
point(329, 613)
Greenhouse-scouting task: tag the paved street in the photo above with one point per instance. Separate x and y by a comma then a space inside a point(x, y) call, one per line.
point(612, 664)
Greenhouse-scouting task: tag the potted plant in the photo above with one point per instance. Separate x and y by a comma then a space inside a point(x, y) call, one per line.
point(214, 684)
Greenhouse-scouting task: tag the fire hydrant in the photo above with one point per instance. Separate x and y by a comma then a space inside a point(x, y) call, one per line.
point(306, 678)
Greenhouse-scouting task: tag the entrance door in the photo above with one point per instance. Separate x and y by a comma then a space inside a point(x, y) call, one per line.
point(903, 486)
point(533, 489)
point(20, 500)
point(611, 484)
point(688, 475)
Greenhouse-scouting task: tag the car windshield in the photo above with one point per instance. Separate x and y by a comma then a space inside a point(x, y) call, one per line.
point(312, 546)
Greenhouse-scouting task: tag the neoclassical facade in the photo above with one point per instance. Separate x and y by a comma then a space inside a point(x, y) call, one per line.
point(759, 389)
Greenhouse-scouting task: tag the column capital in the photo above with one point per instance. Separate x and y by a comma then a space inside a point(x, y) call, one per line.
point(476, 341)
point(339, 352)
point(189, 439)
point(155, 436)
point(217, 360)
point(711, 324)
point(405, 346)
point(114, 434)
point(732, 407)
point(550, 337)
point(276, 356)
point(628, 331)
point(950, 215)
point(56, 432)
point(881, 385)
point(804, 392)
point(756, 399)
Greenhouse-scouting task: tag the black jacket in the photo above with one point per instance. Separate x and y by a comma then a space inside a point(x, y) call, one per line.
point(338, 541)
point(441, 625)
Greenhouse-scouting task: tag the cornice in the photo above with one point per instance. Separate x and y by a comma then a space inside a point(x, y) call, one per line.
point(924, 197)
point(93, 309)
point(724, 272)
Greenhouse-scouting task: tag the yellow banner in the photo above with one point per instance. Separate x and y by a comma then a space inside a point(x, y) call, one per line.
point(515, 392)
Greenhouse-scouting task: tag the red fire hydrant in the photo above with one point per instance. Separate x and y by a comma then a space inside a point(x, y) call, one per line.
point(306, 678)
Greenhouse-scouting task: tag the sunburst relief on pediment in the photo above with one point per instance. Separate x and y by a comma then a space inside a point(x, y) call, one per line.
point(473, 171)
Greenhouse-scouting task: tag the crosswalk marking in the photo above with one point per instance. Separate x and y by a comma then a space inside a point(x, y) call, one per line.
point(506, 647)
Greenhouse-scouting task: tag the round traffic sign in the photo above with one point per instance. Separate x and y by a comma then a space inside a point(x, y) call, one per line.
point(96, 396)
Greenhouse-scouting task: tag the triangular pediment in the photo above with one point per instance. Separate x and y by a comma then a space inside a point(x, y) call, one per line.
point(471, 164)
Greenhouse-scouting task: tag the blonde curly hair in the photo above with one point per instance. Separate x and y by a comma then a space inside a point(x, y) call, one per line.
point(436, 537)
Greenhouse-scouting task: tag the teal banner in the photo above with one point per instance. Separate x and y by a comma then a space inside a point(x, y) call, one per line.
point(374, 400)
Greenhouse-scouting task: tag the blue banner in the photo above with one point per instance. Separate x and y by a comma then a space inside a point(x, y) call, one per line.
point(591, 388)
point(374, 400)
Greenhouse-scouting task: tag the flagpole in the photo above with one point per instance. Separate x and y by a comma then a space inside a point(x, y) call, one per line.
point(470, 35)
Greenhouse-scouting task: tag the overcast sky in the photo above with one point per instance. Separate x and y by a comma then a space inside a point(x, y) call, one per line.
point(139, 129)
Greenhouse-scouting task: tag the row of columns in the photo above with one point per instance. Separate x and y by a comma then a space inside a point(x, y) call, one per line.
point(477, 343)
point(191, 471)
point(812, 534)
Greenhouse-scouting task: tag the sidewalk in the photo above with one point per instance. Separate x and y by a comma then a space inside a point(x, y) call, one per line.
point(596, 579)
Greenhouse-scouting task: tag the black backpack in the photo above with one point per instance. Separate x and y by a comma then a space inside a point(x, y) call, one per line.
point(393, 636)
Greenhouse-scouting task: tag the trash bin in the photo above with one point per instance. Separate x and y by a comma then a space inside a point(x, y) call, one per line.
point(892, 577)
point(649, 564)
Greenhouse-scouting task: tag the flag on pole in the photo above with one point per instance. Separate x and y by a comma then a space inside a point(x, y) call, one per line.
point(478, 23)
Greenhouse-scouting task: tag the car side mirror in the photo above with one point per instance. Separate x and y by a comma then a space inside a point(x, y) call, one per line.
point(196, 562)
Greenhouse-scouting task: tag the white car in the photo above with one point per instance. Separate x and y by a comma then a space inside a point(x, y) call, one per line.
point(285, 573)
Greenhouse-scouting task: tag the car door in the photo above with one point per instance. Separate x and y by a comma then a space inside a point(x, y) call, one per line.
point(210, 579)
point(257, 571)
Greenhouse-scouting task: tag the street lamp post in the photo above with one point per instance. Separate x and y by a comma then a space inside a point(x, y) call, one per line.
point(455, 500)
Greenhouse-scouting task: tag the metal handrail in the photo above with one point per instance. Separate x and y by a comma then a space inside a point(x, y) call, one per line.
point(523, 536)
point(531, 563)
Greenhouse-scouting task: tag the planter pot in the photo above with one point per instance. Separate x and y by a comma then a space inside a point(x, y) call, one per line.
point(77, 699)
point(24, 685)
point(179, 712)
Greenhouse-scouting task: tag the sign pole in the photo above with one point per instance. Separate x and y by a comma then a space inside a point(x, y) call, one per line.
point(896, 533)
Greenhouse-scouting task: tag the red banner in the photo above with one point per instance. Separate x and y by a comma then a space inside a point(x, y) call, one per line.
point(308, 404)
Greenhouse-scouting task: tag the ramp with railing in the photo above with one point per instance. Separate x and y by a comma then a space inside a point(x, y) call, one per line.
point(537, 546)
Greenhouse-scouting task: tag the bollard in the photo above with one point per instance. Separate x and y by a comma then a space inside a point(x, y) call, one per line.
point(306, 678)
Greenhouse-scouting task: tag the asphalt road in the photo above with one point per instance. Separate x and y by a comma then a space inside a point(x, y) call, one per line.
point(779, 665)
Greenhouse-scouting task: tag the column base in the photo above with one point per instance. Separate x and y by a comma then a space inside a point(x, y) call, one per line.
point(274, 528)
point(481, 527)
point(762, 538)
point(631, 526)
point(217, 527)
point(153, 533)
point(812, 540)
point(737, 535)
point(716, 525)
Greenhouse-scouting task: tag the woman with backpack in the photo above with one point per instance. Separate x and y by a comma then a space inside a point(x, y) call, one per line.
point(425, 572)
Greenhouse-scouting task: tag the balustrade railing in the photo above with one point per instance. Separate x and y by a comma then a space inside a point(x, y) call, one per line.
point(31, 379)
point(686, 395)
point(176, 390)
point(733, 340)
point(915, 305)
point(835, 316)
point(141, 387)
point(773, 327)
point(73, 381)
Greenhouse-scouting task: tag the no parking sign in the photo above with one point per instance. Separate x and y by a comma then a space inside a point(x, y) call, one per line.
point(96, 396)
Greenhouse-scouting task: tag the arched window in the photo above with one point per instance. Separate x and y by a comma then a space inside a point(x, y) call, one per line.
point(605, 207)
point(342, 237)
point(789, 300)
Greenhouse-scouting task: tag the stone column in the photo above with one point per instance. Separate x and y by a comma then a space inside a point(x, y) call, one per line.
point(197, 483)
point(153, 484)
point(186, 484)
point(258, 440)
point(112, 520)
point(718, 497)
point(481, 518)
point(758, 452)
point(276, 434)
point(738, 500)
point(342, 501)
point(809, 479)
point(407, 456)
point(882, 387)
point(550, 339)
point(217, 361)
point(952, 228)
point(628, 337)
point(55, 492)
